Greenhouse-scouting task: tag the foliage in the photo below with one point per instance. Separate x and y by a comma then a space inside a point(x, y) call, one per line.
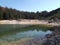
point(10, 14)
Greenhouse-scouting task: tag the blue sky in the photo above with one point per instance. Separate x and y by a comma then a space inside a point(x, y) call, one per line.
point(31, 5)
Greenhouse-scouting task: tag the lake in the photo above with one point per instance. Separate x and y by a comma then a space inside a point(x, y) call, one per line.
point(9, 33)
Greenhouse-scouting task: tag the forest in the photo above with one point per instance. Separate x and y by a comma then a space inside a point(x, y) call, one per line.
point(13, 14)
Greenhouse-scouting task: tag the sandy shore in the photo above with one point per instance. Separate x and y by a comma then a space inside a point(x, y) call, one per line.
point(28, 22)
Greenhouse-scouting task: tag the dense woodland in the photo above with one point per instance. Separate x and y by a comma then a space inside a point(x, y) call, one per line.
point(13, 14)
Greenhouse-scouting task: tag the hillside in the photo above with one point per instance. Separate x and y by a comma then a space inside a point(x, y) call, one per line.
point(13, 14)
point(54, 14)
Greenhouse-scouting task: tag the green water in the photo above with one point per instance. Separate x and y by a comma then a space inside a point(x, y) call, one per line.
point(17, 32)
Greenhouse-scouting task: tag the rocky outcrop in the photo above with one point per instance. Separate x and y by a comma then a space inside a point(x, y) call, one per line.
point(54, 38)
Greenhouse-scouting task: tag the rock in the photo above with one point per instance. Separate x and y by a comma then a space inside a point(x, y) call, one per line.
point(54, 38)
point(35, 42)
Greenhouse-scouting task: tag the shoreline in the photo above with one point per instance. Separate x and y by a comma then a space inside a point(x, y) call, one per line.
point(29, 22)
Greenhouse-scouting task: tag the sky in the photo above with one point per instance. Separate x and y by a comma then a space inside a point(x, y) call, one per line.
point(31, 5)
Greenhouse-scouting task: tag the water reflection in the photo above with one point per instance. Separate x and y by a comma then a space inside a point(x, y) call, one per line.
point(26, 34)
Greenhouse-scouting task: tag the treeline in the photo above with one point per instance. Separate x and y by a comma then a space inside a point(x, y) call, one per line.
point(13, 14)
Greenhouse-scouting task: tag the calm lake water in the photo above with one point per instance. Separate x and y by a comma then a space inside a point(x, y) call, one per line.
point(16, 32)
